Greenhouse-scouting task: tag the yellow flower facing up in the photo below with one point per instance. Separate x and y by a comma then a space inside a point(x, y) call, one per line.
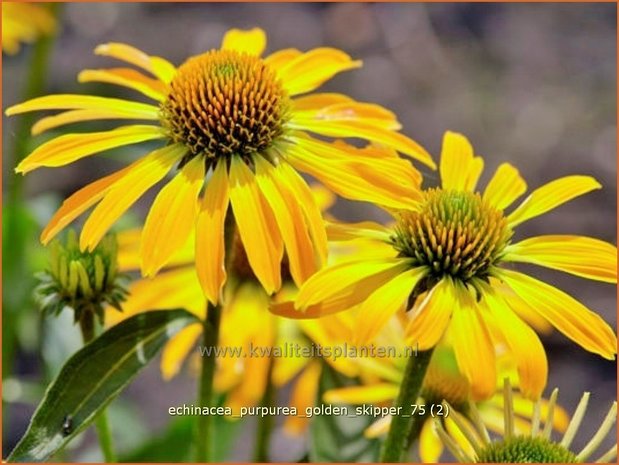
point(446, 258)
point(470, 441)
point(381, 378)
point(24, 22)
point(236, 127)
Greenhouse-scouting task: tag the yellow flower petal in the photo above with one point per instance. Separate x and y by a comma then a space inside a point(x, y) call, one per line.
point(550, 196)
point(459, 168)
point(172, 217)
point(383, 303)
point(78, 203)
point(306, 199)
point(281, 58)
point(290, 220)
point(140, 176)
point(430, 445)
point(342, 176)
point(303, 396)
point(342, 281)
point(284, 369)
point(569, 316)
point(378, 428)
point(252, 41)
point(364, 128)
point(362, 230)
point(66, 149)
point(85, 102)
point(371, 394)
point(126, 77)
point(334, 108)
point(210, 246)
point(309, 70)
point(524, 346)
point(432, 315)
point(505, 187)
point(579, 255)
point(177, 349)
point(129, 251)
point(170, 289)
point(157, 66)
point(256, 226)
point(78, 116)
point(472, 345)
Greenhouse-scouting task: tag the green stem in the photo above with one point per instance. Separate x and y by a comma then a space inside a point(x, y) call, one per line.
point(16, 274)
point(102, 424)
point(265, 423)
point(210, 337)
point(396, 444)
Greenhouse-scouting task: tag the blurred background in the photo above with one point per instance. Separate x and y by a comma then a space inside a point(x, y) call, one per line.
point(532, 84)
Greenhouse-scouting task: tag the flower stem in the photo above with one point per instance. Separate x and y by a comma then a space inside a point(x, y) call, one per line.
point(265, 423)
point(210, 337)
point(17, 276)
point(102, 425)
point(396, 444)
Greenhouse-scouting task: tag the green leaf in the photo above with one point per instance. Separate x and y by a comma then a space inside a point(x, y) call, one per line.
point(93, 377)
point(339, 438)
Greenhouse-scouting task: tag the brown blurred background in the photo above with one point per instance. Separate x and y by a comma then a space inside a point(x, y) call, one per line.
point(532, 84)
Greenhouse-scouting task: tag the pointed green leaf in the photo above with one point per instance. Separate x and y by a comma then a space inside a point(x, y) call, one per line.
point(93, 377)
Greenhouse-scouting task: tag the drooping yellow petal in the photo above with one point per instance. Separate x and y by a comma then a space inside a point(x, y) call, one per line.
point(176, 350)
point(126, 77)
point(290, 220)
point(309, 70)
point(360, 127)
point(550, 196)
point(371, 394)
point(78, 203)
point(306, 199)
point(579, 255)
point(172, 217)
point(66, 149)
point(140, 176)
point(85, 102)
point(157, 66)
point(383, 303)
point(430, 445)
point(565, 313)
point(303, 396)
point(521, 308)
point(378, 428)
point(341, 177)
point(256, 226)
point(342, 280)
point(459, 168)
point(432, 315)
point(210, 246)
point(252, 41)
point(472, 345)
point(505, 187)
point(78, 116)
point(524, 346)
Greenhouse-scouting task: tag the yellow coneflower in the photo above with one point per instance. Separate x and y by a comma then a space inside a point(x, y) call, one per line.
point(239, 120)
point(448, 255)
point(382, 376)
point(24, 22)
point(470, 442)
point(245, 322)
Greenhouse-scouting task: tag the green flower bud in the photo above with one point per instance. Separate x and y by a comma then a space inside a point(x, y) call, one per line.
point(83, 281)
